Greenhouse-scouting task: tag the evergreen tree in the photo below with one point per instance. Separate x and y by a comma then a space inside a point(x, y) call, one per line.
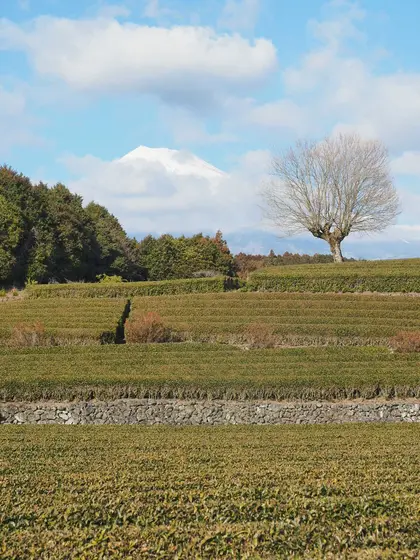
point(116, 254)
point(75, 246)
point(11, 231)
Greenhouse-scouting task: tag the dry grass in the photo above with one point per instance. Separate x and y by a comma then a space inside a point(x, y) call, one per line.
point(27, 335)
point(147, 328)
point(260, 335)
point(406, 341)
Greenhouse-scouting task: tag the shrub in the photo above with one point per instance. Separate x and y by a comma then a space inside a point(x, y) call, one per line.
point(260, 335)
point(205, 274)
point(406, 341)
point(147, 328)
point(30, 334)
point(3, 293)
point(105, 279)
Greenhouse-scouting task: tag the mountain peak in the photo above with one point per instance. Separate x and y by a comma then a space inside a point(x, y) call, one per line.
point(179, 162)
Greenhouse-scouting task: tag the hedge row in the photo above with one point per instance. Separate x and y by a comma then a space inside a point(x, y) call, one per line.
point(131, 289)
point(370, 276)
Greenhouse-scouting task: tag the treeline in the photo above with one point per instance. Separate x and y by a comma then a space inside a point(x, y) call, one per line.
point(47, 235)
point(245, 263)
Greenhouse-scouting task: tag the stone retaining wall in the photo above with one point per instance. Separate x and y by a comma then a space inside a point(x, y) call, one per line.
point(175, 412)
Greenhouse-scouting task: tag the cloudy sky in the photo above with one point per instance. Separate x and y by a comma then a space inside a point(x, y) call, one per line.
point(82, 83)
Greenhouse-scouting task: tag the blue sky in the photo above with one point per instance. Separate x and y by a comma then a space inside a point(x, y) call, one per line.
point(83, 83)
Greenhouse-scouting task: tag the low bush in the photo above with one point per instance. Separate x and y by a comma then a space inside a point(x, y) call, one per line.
point(105, 279)
point(147, 328)
point(30, 335)
point(206, 274)
point(260, 335)
point(406, 341)
point(131, 289)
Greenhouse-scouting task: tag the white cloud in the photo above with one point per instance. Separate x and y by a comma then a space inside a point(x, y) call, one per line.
point(146, 196)
point(284, 113)
point(407, 164)
point(183, 65)
point(15, 121)
point(187, 129)
point(153, 9)
point(113, 11)
point(240, 14)
point(344, 90)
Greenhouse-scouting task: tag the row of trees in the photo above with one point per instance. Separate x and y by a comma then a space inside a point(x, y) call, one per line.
point(247, 263)
point(46, 234)
point(168, 257)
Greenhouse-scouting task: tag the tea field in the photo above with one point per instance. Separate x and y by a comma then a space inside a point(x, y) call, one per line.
point(361, 276)
point(188, 370)
point(295, 318)
point(67, 320)
point(349, 491)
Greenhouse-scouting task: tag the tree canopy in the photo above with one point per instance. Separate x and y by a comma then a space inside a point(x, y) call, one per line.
point(332, 188)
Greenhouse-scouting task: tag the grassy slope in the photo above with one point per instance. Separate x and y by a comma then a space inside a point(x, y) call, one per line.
point(67, 319)
point(235, 492)
point(311, 316)
point(206, 371)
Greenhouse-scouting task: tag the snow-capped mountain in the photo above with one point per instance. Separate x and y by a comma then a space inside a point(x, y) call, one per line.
point(174, 161)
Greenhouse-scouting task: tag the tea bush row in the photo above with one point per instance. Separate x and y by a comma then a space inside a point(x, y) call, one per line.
point(58, 321)
point(131, 289)
point(370, 276)
point(345, 318)
point(187, 370)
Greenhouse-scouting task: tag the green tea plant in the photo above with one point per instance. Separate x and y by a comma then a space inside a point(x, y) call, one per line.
point(359, 276)
point(206, 371)
point(349, 491)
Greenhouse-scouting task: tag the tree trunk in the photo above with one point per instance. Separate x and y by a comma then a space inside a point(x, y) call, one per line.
point(335, 246)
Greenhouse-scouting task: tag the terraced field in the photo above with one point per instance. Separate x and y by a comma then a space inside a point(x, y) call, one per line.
point(206, 371)
point(349, 491)
point(295, 318)
point(67, 320)
point(373, 276)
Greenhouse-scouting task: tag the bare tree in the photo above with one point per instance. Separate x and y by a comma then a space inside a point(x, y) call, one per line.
point(332, 188)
